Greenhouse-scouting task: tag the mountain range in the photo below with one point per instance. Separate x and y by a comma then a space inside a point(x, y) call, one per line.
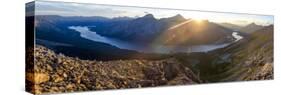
point(175, 30)
point(147, 29)
point(231, 26)
point(248, 29)
point(142, 30)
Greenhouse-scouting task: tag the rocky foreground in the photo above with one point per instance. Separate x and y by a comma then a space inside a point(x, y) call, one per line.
point(249, 59)
point(53, 73)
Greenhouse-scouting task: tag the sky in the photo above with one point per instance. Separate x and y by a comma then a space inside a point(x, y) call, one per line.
point(110, 11)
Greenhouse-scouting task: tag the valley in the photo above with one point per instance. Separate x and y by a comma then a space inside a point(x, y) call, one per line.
point(236, 62)
point(156, 48)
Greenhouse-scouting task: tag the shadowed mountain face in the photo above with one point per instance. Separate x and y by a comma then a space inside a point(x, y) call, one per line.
point(193, 32)
point(141, 30)
point(51, 33)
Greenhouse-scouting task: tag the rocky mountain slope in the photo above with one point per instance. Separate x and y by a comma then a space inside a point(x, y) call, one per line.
point(248, 59)
point(54, 73)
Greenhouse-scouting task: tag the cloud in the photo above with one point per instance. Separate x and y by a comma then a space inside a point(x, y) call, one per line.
point(73, 9)
point(78, 9)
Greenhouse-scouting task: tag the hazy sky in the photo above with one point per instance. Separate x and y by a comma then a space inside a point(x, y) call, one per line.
point(76, 9)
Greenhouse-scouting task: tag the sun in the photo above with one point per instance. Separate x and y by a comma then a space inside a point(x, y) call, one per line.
point(198, 20)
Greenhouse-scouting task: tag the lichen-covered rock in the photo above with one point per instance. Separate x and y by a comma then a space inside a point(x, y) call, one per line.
point(37, 78)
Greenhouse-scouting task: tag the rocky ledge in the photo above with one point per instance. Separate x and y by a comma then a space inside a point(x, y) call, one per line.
point(54, 73)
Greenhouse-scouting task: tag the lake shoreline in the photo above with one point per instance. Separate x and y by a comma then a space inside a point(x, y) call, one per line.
point(86, 33)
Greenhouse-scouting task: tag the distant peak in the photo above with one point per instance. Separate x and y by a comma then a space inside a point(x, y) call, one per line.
point(178, 16)
point(253, 23)
point(148, 16)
